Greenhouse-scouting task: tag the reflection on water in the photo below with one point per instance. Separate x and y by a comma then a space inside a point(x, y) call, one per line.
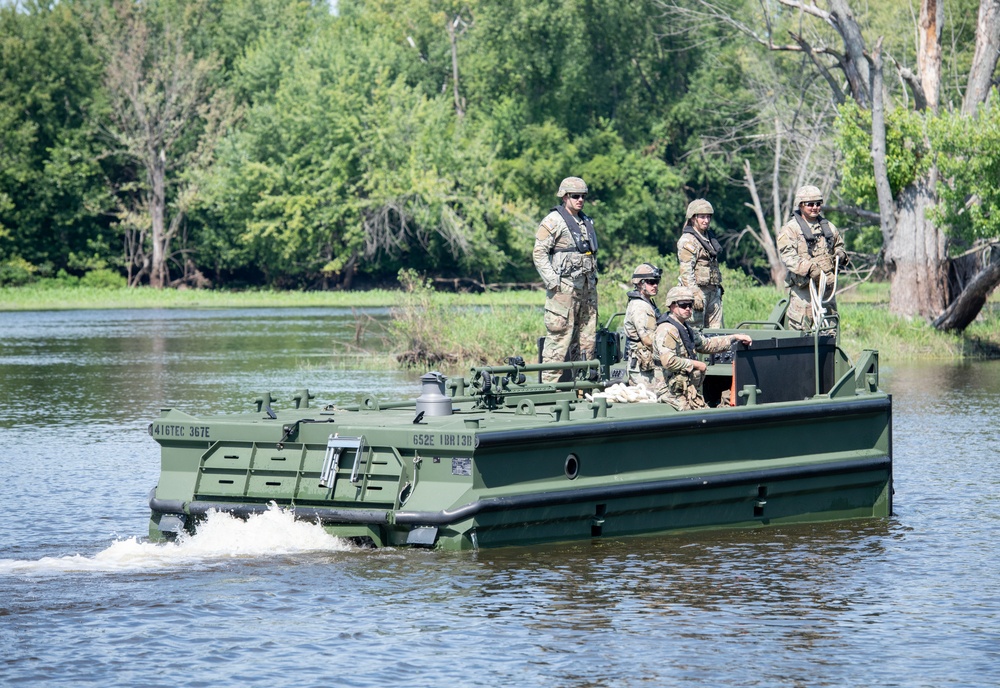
point(85, 601)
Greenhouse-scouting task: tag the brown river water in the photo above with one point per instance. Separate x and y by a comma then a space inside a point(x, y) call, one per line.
point(908, 601)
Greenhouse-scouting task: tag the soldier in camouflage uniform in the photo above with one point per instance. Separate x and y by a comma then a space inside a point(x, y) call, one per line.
point(565, 256)
point(674, 346)
point(698, 255)
point(640, 324)
point(809, 246)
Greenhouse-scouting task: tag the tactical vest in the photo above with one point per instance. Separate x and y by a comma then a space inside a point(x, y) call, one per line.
point(587, 245)
point(812, 238)
point(687, 336)
point(710, 243)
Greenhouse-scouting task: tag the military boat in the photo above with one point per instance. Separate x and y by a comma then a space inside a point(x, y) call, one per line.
point(797, 433)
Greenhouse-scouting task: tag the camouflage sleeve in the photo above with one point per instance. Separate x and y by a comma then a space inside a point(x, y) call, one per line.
point(712, 345)
point(687, 256)
point(541, 255)
point(645, 324)
point(839, 251)
point(788, 249)
point(630, 326)
point(666, 344)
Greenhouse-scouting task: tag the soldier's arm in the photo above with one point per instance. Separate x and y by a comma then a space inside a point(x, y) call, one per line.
point(716, 345)
point(788, 249)
point(541, 255)
point(839, 250)
point(687, 256)
point(630, 326)
point(645, 327)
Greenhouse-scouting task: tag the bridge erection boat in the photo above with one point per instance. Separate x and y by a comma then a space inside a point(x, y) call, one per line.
point(499, 458)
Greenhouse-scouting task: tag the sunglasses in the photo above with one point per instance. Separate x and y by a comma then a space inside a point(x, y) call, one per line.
point(577, 197)
point(650, 281)
point(685, 304)
point(813, 204)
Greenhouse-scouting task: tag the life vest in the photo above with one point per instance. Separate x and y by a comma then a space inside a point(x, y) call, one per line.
point(687, 336)
point(709, 243)
point(587, 245)
point(810, 237)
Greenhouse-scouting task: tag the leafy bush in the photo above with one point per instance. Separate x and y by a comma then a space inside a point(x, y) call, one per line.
point(16, 272)
point(103, 279)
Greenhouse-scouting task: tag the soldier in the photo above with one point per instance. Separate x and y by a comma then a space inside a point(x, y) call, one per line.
point(809, 246)
point(674, 346)
point(565, 256)
point(640, 324)
point(698, 255)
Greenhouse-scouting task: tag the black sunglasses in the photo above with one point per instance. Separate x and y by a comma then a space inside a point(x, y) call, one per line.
point(685, 304)
point(577, 197)
point(813, 204)
point(651, 281)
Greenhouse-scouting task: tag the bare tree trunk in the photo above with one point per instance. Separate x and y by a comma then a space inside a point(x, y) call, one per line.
point(452, 26)
point(914, 247)
point(763, 235)
point(929, 50)
point(984, 62)
point(963, 310)
point(917, 253)
point(855, 66)
point(157, 212)
point(883, 191)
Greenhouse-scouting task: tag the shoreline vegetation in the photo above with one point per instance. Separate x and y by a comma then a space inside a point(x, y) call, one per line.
point(451, 331)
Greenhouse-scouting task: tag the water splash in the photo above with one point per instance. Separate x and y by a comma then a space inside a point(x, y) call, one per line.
point(220, 537)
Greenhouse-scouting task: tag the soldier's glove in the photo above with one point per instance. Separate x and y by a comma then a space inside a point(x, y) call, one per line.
point(842, 255)
point(699, 300)
point(815, 271)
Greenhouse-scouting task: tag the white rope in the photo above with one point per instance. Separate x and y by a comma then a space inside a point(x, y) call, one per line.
point(815, 294)
point(625, 394)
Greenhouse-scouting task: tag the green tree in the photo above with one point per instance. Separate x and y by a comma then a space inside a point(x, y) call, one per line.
point(52, 190)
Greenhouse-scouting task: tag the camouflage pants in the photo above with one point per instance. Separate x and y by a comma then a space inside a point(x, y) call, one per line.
point(570, 323)
point(646, 378)
point(711, 316)
point(682, 392)
point(799, 313)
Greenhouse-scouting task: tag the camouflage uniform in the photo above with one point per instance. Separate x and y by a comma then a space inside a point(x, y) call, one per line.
point(698, 256)
point(570, 278)
point(680, 385)
point(805, 260)
point(640, 325)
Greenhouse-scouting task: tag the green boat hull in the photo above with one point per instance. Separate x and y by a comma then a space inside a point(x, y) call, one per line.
point(520, 463)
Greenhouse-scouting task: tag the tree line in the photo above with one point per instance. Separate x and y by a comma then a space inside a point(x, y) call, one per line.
point(308, 145)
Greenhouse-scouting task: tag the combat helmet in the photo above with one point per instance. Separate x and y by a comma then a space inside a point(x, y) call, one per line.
point(645, 271)
point(571, 185)
point(679, 294)
point(698, 206)
point(807, 193)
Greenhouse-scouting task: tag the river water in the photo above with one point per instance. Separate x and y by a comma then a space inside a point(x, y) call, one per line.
point(909, 601)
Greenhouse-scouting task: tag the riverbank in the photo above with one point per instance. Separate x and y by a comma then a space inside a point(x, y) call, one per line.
point(448, 330)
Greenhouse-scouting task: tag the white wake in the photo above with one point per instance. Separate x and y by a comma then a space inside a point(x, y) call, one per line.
point(221, 536)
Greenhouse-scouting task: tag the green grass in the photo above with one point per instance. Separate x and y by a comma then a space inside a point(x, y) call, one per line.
point(33, 298)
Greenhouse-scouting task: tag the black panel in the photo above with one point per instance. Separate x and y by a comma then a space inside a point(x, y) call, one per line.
point(784, 369)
